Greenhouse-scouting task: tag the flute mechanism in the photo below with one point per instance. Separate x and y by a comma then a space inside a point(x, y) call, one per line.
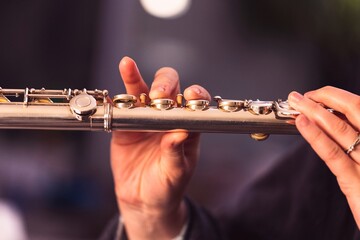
point(69, 109)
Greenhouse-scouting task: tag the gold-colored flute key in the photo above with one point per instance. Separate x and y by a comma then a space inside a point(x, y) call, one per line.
point(124, 100)
point(84, 109)
point(229, 105)
point(197, 105)
point(162, 104)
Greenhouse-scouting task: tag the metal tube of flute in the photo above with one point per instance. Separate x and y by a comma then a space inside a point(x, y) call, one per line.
point(211, 120)
point(47, 117)
point(59, 117)
point(92, 110)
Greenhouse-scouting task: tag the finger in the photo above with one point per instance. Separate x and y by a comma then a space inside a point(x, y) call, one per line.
point(333, 155)
point(340, 100)
point(335, 127)
point(195, 92)
point(131, 76)
point(191, 148)
point(166, 84)
point(172, 152)
point(134, 85)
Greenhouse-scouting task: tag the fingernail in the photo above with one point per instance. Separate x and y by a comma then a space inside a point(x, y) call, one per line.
point(160, 89)
point(295, 97)
point(157, 92)
point(196, 90)
point(125, 60)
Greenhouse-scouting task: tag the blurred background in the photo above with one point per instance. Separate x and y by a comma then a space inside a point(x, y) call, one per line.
point(59, 183)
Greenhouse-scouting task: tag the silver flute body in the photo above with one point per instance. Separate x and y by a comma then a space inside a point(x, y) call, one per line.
point(94, 110)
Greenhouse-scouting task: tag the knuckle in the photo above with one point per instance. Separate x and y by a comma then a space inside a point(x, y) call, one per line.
point(315, 136)
point(334, 152)
point(313, 109)
point(356, 103)
point(326, 89)
point(179, 173)
point(341, 128)
point(318, 112)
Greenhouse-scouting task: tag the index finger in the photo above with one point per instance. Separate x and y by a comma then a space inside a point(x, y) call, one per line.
point(133, 81)
point(340, 100)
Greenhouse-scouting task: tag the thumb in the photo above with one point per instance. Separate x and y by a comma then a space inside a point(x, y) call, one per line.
point(173, 160)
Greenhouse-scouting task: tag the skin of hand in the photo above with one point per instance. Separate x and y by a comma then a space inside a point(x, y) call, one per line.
point(329, 135)
point(151, 170)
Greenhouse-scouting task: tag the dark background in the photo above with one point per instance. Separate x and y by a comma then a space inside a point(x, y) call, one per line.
point(247, 49)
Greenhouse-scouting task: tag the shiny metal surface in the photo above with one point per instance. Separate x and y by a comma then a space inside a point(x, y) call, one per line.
point(83, 105)
point(197, 105)
point(210, 120)
point(259, 107)
point(124, 100)
point(229, 105)
point(91, 110)
point(162, 104)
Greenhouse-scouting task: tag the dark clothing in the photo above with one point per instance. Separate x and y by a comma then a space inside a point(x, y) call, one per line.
point(298, 198)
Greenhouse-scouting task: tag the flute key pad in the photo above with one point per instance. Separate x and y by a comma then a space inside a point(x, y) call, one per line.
point(124, 100)
point(259, 107)
point(197, 105)
point(83, 104)
point(229, 105)
point(162, 104)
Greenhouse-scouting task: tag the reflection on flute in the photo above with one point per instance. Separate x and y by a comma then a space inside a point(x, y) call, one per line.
point(93, 110)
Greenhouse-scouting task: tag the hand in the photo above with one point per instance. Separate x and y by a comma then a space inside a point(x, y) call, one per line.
point(330, 135)
point(151, 170)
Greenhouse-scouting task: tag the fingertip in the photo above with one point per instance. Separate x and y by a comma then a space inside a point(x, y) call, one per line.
point(131, 77)
point(196, 92)
point(169, 72)
point(126, 64)
point(159, 91)
point(125, 59)
point(175, 138)
point(295, 100)
point(290, 94)
point(179, 136)
point(295, 96)
point(166, 83)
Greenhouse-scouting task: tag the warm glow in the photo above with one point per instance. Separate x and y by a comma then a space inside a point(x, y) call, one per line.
point(166, 8)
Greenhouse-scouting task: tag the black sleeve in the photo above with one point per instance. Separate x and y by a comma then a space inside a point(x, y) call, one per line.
point(111, 231)
point(201, 226)
point(296, 198)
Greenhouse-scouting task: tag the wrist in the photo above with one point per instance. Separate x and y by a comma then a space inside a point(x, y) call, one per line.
point(154, 224)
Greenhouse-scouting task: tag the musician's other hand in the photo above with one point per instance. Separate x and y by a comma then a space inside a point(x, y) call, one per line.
point(331, 136)
point(151, 170)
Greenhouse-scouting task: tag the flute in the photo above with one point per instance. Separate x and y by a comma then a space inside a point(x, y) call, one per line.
point(76, 109)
